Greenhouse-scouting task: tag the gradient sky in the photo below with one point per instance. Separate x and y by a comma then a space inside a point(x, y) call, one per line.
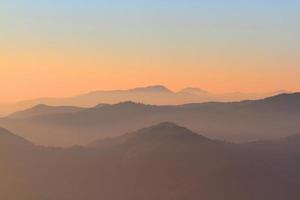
point(66, 47)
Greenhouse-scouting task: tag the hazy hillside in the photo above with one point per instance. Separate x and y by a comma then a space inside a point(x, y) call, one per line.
point(9, 140)
point(159, 95)
point(285, 145)
point(42, 109)
point(15, 158)
point(269, 118)
point(160, 137)
point(163, 162)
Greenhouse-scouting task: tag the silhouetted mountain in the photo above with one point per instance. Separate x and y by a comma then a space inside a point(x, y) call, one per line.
point(164, 135)
point(158, 95)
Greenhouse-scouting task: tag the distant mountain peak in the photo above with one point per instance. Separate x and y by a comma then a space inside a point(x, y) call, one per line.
point(153, 88)
point(166, 126)
point(194, 90)
point(162, 135)
point(167, 130)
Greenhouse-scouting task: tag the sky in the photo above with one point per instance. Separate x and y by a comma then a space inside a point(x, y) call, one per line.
point(66, 47)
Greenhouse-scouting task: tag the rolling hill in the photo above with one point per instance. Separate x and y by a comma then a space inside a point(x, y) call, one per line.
point(265, 119)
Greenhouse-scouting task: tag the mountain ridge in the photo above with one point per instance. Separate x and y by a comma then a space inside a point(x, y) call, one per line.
point(43, 109)
point(243, 121)
point(156, 94)
point(163, 132)
point(12, 141)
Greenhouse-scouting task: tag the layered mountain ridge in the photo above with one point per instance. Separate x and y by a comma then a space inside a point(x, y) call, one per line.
point(156, 94)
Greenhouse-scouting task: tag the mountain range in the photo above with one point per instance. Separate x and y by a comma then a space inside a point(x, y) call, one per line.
point(164, 162)
point(245, 121)
point(158, 95)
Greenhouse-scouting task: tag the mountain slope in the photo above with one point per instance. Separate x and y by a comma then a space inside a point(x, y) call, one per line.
point(42, 109)
point(9, 140)
point(15, 155)
point(165, 136)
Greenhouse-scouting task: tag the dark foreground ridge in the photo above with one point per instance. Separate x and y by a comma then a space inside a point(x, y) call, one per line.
point(162, 162)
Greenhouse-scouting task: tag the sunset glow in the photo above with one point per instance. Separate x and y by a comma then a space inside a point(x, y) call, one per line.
point(53, 48)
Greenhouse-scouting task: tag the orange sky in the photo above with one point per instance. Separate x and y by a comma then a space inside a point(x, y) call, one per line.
point(60, 49)
point(35, 74)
